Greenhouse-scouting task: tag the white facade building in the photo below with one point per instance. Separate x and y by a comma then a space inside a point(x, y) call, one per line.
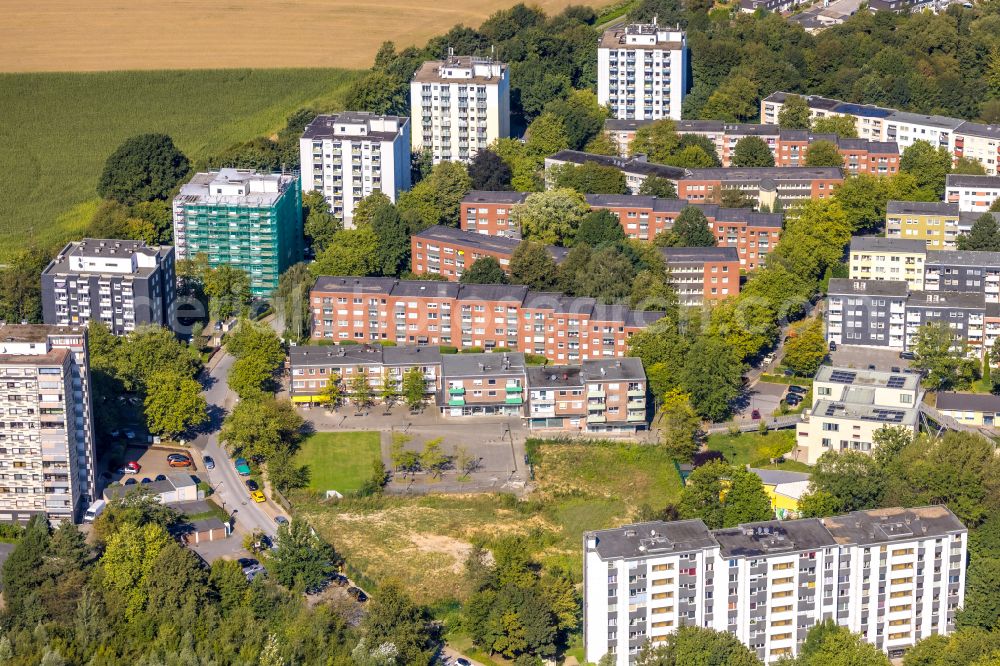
point(459, 106)
point(47, 453)
point(973, 194)
point(351, 155)
point(850, 405)
point(893, 575)
point(642, 71)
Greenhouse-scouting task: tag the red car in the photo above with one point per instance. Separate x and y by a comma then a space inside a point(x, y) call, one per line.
point(131, 467)
point(755, 415)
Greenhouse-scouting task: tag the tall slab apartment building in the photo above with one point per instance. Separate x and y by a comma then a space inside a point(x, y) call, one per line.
point(642, 71)
point(46, 423)
point(350, 155)
point(249, 220)
point(459, 106)
point(894, 575)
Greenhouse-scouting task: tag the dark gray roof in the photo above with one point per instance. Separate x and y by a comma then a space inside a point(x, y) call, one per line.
point(481, 365)
point(624, 125)
point(886, 525)
point(978, 258)
point(748, 129)
point(445, 234)
point(941, 122)
point(411, 355)
point(950, 299)
point(659, 205)
point(555, 376)
point(652, 539)
point(868, 287)
point(559, 303)
point(619, 369)
point(206, 525)
point(814, 101)
point(968, 402)
point(866, 378)
point(805, 135)
point(963, 180)
point(772, 537)
point(779, 174)
point(630, 165)
point(680, 255)
point(497, 197)
point(492, 292)
point(367, 354)
point(359, 285)
point(881, 243)
point(978, 129)
point(921, 208)
point(967, 218)
point(322, 126)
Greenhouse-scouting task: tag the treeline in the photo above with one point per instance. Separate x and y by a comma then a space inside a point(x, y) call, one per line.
point(133, 594)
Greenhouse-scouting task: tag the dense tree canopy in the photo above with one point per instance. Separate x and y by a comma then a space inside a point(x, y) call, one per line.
point(144, 168)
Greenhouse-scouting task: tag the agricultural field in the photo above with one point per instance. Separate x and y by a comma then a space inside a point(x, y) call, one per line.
point(56, 130)
point(100, 35)
point(424, 541)
point(340, 461)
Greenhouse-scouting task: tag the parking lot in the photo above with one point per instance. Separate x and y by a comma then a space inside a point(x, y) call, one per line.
point(862, 357)
point(152, 462)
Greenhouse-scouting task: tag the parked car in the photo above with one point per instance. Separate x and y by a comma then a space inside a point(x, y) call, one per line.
point(908, 356)
point(462, 661)
point(871, 366)
point(793, 400)
point(131, 467)
point(833, 346)
point(94, 510)
point(895, 368)
point(208, 461)
point(245, 562)
point(258, 496)
point(130, 481)
point(769, 359)
point(146, 480)
point(755, 415)
point(242, 468)
point(797, 389)
point(252, 485)
point(357, 594)
point(178, 460)
point(281, 520)
point(254, 571)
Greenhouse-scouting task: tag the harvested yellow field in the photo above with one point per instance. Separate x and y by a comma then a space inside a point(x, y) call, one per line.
point(99, 35)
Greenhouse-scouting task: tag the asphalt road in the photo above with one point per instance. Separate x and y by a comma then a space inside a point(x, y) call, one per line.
point(228, 485)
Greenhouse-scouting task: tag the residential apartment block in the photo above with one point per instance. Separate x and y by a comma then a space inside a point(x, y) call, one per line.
point(636, 169)
point(975, 194)
point(975, 409)
point(121, 283)
point(765, 185)
point(448, 251)
point(642, 71)
point(850, 406)
point(881, 313)
point(47, 455)
point(893, 575)
point(596, 396)
point(312, 367)
point(489, 212)
point(425, 312)
point(459, 106)
point(878, 258)
point(753, 234)
point(348, 156)
point(937, 223)
point(960, 137)
point(483, 384)
point(244, 219)
point(702, 274)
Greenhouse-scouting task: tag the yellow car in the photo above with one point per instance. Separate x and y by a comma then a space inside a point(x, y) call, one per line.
point(258, 496)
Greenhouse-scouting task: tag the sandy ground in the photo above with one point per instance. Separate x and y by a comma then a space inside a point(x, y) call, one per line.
point(69, 35)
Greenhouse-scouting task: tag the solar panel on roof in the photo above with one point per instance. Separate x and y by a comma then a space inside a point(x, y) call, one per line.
point(888, 415)
point(842, 377)
point(896, 381)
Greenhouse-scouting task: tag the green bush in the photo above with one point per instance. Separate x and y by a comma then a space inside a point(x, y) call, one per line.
point(448, 349)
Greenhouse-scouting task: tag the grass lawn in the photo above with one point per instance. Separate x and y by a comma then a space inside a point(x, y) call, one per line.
point(424, 541)
point(340, 461)
point(56, 130)
point(756, 450)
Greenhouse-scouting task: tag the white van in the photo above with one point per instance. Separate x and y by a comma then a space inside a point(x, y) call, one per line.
point(94, 510)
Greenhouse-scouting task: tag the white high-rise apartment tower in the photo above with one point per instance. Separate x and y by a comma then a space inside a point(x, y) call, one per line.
point(895, 576)
point(642, 71)
point(46, 423)
point(459, 105)
point(350, 155)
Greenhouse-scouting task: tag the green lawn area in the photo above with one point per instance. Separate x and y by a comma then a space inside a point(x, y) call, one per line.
point(57, 129)
point(424, 541)
point(756, 450)
point(340, 461)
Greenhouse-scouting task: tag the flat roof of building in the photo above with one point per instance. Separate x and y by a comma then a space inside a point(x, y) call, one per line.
point(978, 258)
point(965, 180)
point(617, 369)
point(366, 354)
point(722, 127)
point(430, 71)
point(862, 410)
point(495, 197)
point(883, 244)
point(681, 255)
point(105, 248)
point(868, 287)
point(555, 376)
point(322, 126)
point(921, 208)
point(653, 539)
point(445, 234)
point(627, 165)
point(776, 477)
point(492, 292)
point(940, 122)
point(626, 124)
point(951, 299)
point(198, 189)
point(662, 205)
point(615, 38)
point(359, 285)
point(894, 524)
point(978, 129)
point(968, 402)
point(867, 378)
point(773, 173)
point(486, 364)
point(772, 537)
point(30, 332)
point(814, 101)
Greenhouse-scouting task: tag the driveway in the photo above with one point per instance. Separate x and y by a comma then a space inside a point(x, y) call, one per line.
point(764, 397)
point(228, 485)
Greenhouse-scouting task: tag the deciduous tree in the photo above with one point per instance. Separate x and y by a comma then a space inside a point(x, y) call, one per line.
point(531, 264)
point(927, 165)
point(599, 228)
point(361, 390)
point(174, 404)
point(414, 388)
point(692, 230)
point(823, 154)
point(843, 126)
point(658, 186)
point(590, 178)
point(485, 270)
point(143, 168)
point(489, 172)
point(804, 352)
point(794, 113)
point(550, 217)
point(302, 559)
point(351, 252)
point(701, 495)
point(745, 501)
point(679, 425)
point(752, 151)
